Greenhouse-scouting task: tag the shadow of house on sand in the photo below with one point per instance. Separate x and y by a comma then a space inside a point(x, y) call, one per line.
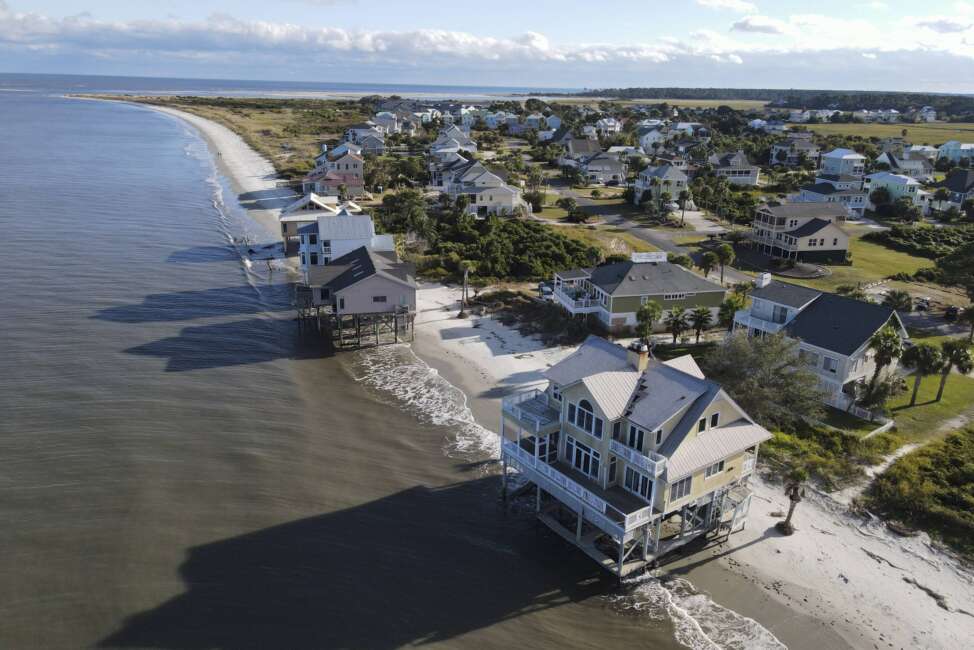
point(244, 342)
point(422, 565)
point(205, 303)
point(273, 199)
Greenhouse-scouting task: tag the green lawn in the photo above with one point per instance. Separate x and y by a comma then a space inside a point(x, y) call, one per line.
point(929, 133)
point(923, 421)
point(552, 213)
point(925, 336)
point(848, 423)
point(870, 262)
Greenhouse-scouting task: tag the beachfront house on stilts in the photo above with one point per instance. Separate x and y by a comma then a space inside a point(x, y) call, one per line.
point(631, 458)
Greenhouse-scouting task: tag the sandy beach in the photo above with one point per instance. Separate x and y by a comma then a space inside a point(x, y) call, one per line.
point(838, 582)
point(873, 588)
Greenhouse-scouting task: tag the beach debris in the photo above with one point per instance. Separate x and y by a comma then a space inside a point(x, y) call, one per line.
point(880, 558)
point(938, 597)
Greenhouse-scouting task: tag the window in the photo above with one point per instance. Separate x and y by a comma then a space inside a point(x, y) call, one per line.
point(659, 436)
point(830, 364)
point(680, 489)
point(811, 242)
point(326, 245)
point(612, 469)
point(616, 429)
point(304, 259)
point(313, 239)
point(702, 425)
point(835, 241)
point(714, 469)
point(582, 457)
point(378, 298)
point(635, 437)
point(714, 420)
point(314, 258)
point(676, 296)
point(582, 416)
point(821, 242)
point(555, 392)
point(779, 314)
point(324, 293)
point(639, 484)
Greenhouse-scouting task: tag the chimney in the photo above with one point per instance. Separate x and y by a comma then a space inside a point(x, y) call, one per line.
point(324, 148)
point(763, 280)
point(638, 355)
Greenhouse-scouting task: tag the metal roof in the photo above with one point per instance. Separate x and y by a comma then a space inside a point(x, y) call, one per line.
point(711, 446)
point(647, 279)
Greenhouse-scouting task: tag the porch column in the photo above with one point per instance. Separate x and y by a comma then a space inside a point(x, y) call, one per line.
point(537, 502)
point(622, 554)
point(646, 542)
point(659, 531)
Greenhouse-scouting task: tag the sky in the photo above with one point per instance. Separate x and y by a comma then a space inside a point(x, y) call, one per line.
point(850, 44)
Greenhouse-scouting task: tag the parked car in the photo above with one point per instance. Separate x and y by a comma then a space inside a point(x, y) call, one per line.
point(545, 291)
point(922, 304)
point(951, 313)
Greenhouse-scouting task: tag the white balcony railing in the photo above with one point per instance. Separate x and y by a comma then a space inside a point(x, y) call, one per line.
point(654, 464)
point(744, 318)
point(575, 305)
point(531, 406)
point(594, 508)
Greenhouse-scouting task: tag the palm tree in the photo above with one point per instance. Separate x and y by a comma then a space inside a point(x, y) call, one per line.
point(700, 319)
point(955, 354)
point(728, 308)
point(708, 262)
point(887, 347)
point(925, 360)
point(676, 322)
point(646, 318)
point(795, 493)
point(725, 255)
point(942, 194)
point(899, 300)
point(967, 316)
point(684, 196)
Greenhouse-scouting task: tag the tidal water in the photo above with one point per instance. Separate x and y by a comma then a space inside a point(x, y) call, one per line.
point(181, 468)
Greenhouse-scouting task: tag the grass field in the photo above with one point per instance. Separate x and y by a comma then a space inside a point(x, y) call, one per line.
point(870, 262)
point(736, 104)
point(926, 133)
point(288, 132)
point(609, 240)
point(929, 419)
point(850, 424)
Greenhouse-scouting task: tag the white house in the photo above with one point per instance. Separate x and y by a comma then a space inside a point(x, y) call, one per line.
point(843, 162)
point(927, 114)
point(331, 236)
point(608, 126)
point(650, 135)
point(832, 331)
point(917, 167)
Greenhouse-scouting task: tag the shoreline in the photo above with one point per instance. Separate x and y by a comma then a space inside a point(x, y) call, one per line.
point(849, 598)
point(838, 582)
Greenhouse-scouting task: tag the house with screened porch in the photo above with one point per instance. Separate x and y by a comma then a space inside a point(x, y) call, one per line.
point(629, 457)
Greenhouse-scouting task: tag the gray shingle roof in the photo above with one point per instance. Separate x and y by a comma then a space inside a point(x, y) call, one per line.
point(783, 293)
point(357, 265)
point(960, 181)
point(840, 324)
point(649, 278)
point(810, 209)
point(808, 228)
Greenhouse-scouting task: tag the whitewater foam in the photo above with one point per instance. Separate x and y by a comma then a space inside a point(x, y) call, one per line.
point(396, 371)
point(699, 623)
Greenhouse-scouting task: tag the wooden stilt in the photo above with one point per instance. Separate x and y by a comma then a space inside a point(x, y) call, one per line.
point(578, 527)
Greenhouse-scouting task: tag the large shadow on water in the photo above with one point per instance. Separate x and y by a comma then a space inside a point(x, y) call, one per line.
point(242, 342)
point(418, 566)
point(204, 303)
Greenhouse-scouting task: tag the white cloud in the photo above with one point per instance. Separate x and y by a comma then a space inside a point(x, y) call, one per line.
point(869, 55)
point(944, 24)
point(740, 6)
point(760, 25)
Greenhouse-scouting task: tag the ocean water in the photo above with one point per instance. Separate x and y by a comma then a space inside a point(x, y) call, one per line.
point(181, 467)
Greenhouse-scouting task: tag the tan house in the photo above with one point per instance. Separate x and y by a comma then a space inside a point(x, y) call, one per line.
point(806, 232)
point(631, 457)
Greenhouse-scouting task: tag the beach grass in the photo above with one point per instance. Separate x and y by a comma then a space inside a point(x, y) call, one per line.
point(870, 262)
point(925, 133)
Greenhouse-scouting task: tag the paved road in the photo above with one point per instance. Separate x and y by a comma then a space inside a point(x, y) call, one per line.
point(660, 240)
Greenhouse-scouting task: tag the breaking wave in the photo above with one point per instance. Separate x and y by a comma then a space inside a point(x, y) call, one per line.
point(698, 622)
point(396, 371)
